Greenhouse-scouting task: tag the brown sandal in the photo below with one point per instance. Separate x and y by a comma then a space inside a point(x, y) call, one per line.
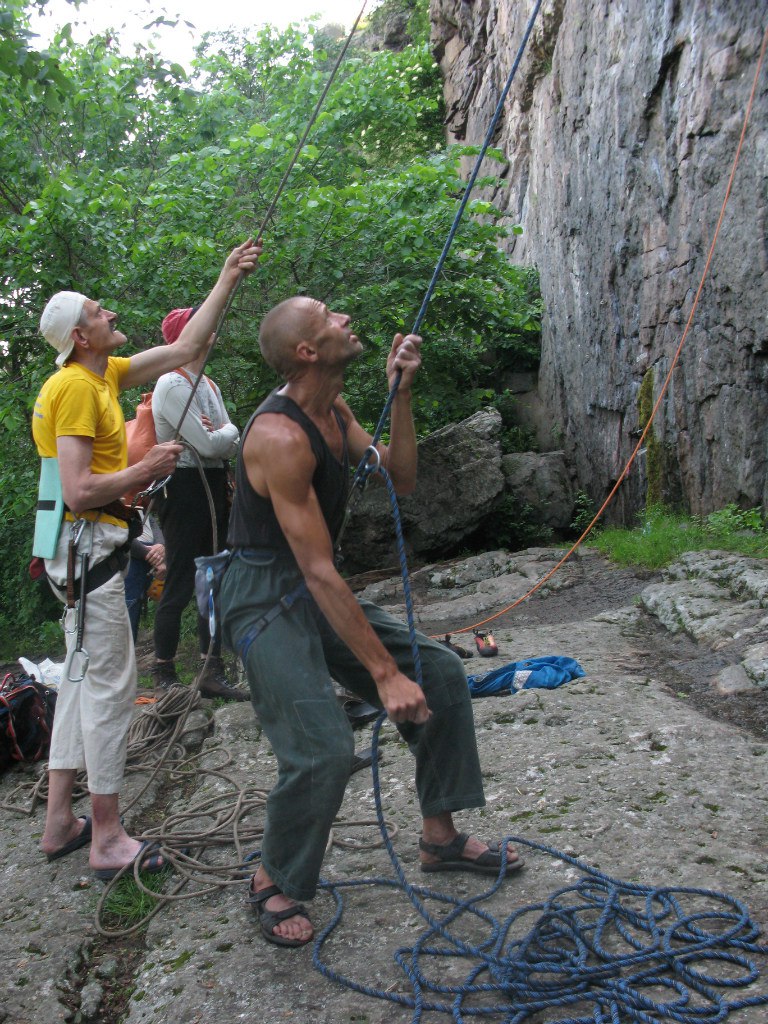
point(269, 919)
point(450, 858)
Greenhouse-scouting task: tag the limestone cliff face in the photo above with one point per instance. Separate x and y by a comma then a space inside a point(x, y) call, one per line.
point(620, 132)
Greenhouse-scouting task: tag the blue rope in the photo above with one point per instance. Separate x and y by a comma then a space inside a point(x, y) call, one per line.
point(364, 470)
point(602, 949)
point(403, 559)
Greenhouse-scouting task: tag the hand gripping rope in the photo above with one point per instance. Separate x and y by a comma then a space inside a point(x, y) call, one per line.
point(366, 468)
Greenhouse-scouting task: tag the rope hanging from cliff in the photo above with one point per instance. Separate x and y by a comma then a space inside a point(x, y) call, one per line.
point(672, 367)
point(365, 468)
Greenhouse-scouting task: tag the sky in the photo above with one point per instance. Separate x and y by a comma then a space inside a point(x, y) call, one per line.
point(129, 18)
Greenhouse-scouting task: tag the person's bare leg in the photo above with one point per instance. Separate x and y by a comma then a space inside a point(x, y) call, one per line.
point(111, 846)
point(440, 830)
point(298, 928)
point(61, 823)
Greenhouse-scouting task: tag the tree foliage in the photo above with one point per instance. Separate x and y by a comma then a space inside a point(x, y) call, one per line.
point(125, 178)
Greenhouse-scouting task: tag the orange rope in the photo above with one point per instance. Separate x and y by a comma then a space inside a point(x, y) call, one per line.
point(667, 379)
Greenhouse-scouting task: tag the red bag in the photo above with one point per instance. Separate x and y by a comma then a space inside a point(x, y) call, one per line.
point(140, 432)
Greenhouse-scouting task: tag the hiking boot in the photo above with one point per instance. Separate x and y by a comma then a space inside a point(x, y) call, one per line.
point(164, 676)
point(214, 683)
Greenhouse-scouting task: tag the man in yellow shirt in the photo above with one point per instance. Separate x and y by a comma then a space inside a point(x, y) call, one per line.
point(78, 421)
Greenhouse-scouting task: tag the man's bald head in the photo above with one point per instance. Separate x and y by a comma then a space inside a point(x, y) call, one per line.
point(283, 328)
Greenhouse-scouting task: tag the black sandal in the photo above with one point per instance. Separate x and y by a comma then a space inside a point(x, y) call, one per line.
point(269, 919)
point(358, 711)
point(451, 858)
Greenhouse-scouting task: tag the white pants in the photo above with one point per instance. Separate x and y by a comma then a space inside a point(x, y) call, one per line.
point(93, 716)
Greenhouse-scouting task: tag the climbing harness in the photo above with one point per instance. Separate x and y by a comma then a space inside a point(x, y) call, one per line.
point(80, 548)
point(285, 603)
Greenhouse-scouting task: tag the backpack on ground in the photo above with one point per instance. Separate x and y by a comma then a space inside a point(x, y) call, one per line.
point(26, 719)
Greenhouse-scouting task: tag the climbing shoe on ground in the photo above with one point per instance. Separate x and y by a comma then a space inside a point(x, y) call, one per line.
point(486, 645)
point(461, 651)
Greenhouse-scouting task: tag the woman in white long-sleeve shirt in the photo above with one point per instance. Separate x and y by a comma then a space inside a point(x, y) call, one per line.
point(184, 513)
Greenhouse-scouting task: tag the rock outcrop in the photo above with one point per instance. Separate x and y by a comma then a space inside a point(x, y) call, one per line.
point(460, 478)
point(620, 131)
point(463, 478)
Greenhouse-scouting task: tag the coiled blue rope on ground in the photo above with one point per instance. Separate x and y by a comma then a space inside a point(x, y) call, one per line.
point(602, 951)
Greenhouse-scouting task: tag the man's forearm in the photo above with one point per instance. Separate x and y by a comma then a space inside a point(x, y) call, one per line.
point(345, 616)
point(97, 489)
point(402, 451)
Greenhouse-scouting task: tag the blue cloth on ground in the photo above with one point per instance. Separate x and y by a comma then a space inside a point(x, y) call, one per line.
point(544, 673)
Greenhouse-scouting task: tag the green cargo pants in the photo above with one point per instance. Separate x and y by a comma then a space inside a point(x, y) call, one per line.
point(290, 667)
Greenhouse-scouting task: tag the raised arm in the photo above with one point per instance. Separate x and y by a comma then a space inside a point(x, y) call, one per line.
point(196, 335)
point(400, 456)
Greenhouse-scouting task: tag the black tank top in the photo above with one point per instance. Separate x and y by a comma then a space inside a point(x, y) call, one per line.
point(252, 521)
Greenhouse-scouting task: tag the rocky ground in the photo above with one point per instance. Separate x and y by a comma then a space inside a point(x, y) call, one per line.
point(652, 769)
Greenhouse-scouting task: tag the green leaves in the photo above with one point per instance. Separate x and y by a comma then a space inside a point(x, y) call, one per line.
point(122, 179)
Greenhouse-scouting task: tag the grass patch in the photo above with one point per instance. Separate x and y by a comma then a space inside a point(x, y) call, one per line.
point(663, 536)
point(127, 903)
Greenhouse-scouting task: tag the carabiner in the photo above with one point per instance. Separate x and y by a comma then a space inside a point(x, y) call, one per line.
point(372, 452)
point(83, 660)
point(151, 491)
point(76, 531)
point(63, 619)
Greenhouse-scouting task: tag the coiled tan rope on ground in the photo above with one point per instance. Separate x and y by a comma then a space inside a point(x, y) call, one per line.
point(148, 742)
point(227, 825)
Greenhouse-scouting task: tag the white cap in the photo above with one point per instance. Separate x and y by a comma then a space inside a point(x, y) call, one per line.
point(60, 317)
